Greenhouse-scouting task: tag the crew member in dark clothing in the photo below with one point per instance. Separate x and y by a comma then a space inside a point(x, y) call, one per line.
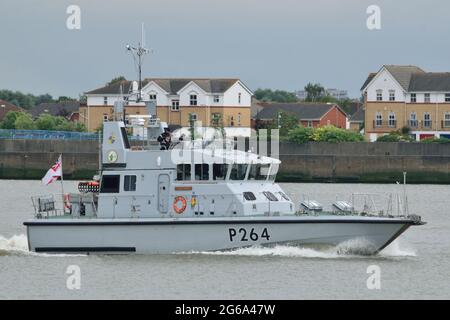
point(165, 139)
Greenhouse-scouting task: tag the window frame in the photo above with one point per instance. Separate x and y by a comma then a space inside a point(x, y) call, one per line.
point(413, 98)
point(184, 172)
point(116, 188)
point(391, 95)
point(129, 185)
point(193, 99)
point(379, 95)
point(175, 105)
point(426, 97)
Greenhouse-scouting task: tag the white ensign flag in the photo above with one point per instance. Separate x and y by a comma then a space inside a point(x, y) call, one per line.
point(53, 173)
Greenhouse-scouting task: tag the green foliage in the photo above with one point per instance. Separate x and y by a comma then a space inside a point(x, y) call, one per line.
point(9, 121)
point(314, 92)
point(323, 134)
point(24, 121)
point(396, 136)
point(301, 134)
point(333, 134)
point(435, 140)
point(269, 95)
point(116, 80)
point(27, 100)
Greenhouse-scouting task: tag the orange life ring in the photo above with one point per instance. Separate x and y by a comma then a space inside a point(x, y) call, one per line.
point(176, 207)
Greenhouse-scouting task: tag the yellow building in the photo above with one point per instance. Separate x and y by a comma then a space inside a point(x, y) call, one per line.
point(406, 96)
point(220, 102)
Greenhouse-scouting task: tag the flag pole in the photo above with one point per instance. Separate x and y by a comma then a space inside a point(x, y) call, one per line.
point(62, 184)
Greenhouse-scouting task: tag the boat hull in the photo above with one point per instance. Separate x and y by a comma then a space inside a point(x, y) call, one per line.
point(169, 235)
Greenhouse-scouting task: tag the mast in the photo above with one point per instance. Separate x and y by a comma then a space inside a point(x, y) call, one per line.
point(138, 56)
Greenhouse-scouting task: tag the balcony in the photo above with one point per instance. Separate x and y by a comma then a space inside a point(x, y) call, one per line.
point(384, 124)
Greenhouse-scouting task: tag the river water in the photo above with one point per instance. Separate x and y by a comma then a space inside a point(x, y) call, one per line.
point(415, 266)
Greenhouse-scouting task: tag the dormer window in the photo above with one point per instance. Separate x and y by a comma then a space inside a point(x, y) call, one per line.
point(413, 98)
point(216, 99)
point(379, 95)
point(239, 98)
point(105, 100)
point(447, 97)
point(391, 95)
point(152, 97)
point(426, 97)
point(193, 99)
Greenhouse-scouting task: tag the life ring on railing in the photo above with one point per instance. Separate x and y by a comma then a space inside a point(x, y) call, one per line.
point(176, 204)
point(67, 204)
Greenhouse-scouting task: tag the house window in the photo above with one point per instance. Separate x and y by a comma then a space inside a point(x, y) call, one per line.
point(413, 97)
point(446, 120)
point(193, 99)
point(192, 117)
point(216, 99)
point(392, 121)
point(391, 95)
point(105, 100)
point(426, 120)
point(239, 119)
point(413, 120)
point(379, 95)
point(183, 172)
point(239, 98)
point(310, 124)
point(129, 183)
point(378, 119)
point(175, 105)
point(152, 97)
point(426, 97)
point(447, 97)
point(105, 117)
point(231, 121)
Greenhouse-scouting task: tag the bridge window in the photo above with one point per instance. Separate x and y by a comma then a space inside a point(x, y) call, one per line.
point(129, 183)
point(219, 171)
point(238, 171)
point(259, 172)
point(249, 196)
point(110, 184)
point(273, 172)
point(269, 195)
point(183, 172)
point(202, 171)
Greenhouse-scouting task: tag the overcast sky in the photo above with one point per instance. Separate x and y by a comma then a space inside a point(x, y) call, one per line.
point(280, 44)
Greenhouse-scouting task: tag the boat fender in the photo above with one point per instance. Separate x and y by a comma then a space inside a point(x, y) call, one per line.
point(67, 204)
point(179, 204)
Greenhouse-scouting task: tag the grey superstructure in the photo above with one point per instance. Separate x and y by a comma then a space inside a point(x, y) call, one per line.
point(196, 196)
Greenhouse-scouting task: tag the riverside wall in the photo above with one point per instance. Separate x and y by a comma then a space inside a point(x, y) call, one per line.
point(309, 162)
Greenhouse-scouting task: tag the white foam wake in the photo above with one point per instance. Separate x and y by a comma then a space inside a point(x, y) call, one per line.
point(357, 248)
point(18, 245)
point(15, 244)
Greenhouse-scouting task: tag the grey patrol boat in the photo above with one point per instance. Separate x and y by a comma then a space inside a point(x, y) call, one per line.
point(196, 196)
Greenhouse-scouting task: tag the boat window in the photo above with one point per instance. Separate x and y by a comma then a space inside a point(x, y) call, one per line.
point(269, 195)
point(219, 171)
point(238, 171)
point(129, 183)
point(202, 171)
point(249, 196)
point(259, 172)
point(273, 172)
point(184, 172)
point(284, 196)
point(110, 184)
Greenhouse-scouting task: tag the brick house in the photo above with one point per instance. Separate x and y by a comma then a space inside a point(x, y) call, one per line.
point(308, 114)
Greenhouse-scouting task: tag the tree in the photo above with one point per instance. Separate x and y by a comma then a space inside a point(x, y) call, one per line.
point(46, 122)
point(301, 134)
point(9, 121)
point(269, 95)
point(24, 121)
point(116, 80)
point(314, 92)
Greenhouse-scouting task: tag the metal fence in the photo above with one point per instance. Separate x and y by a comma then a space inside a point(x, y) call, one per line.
point(46, 135)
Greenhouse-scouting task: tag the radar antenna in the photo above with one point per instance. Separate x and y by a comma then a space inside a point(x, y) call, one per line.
point(138, 57)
